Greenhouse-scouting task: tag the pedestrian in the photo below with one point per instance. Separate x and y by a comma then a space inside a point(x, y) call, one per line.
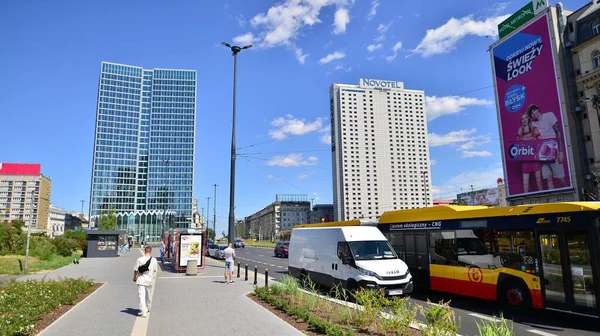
point(143, 271)
point(162, 252)
point(229, 254)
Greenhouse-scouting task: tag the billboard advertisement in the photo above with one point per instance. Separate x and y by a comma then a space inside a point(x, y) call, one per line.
point(489, 197)
point(190, 247)
point(530, 118)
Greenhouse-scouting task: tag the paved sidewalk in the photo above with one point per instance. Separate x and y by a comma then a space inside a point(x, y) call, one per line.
point(201, 304)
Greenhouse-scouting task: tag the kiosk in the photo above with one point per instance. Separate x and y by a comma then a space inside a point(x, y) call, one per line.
point(104, 243)
point(183, 245)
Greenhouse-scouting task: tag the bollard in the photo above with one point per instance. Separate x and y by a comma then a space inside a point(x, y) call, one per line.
point(246, 277)
point(238, 269)
point(255, 271)
point(266, 277)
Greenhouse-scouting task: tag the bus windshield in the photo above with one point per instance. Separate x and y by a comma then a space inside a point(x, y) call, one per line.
point(371, 250)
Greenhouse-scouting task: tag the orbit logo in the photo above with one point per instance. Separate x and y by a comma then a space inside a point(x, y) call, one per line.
point(516, 150)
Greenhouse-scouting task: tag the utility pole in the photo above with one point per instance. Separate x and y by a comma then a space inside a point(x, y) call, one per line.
point(202, 218)
point(82, 215)
point(26, 266)
point(215, 208)
point(472, 195)
point(231, 225)
point(207, 210)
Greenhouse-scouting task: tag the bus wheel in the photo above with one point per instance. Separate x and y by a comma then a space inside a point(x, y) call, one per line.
point(515, 296)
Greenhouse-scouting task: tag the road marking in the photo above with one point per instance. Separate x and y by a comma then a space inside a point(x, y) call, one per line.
point(271, 265)
point(539, 332)
point(484, 317)
point(260, 255)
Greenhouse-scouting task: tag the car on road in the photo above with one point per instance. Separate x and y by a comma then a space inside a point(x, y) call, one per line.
point(281, 249)
point(239, 243)
point(219, 252)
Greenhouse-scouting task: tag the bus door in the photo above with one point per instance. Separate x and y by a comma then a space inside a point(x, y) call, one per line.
point(417, 256)
point(569, 278)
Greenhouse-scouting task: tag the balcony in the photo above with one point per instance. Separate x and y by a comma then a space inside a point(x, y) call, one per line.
point(595, 168)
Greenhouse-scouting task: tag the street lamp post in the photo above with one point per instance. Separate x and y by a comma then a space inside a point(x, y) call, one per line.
point(26, 264)
point(215, 208)
point(234, 50)
point(207, 210)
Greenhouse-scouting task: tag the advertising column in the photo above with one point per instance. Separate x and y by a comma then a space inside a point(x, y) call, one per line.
point(530, 117)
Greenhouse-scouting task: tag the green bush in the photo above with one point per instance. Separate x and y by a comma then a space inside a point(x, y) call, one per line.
point(440, 320)
point(12, 238)
point(65, 246)
point(24, 303)
point(41, 247)
point(497, 328)
point(80, 236)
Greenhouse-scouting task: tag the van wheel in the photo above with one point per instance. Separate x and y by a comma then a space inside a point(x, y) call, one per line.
point(514, 295)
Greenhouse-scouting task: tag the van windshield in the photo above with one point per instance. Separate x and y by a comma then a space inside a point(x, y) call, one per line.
point(371, 250)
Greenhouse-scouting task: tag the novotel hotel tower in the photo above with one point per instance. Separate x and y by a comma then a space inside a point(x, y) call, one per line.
point(380, 154)
point(143, 160)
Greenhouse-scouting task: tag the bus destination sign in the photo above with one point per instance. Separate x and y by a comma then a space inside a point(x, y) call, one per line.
point(417, 226)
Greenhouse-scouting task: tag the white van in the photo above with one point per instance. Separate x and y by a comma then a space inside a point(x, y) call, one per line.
point(353, 256)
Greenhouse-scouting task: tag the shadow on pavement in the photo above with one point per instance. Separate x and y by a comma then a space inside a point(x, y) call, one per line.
point(219, 281)
point(130, 311)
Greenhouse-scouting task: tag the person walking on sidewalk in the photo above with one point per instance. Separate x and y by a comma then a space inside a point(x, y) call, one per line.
point(143, 271)
point(162, 252)
point(229, 254)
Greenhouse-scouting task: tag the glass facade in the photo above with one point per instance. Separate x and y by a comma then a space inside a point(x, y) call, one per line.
point(144, 141)
point(146, 226)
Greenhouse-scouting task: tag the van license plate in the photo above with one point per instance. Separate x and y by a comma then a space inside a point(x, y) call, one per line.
point(395, 292)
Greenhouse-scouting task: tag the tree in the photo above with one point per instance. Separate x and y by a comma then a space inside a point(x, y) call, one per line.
point(210, 233)
point(108, 220)
point(461, 202)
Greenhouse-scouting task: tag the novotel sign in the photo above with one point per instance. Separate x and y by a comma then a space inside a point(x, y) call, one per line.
point(382, 84)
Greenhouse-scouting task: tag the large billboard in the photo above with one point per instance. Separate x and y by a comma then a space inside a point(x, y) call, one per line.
point(489, 197)
point(531, 123)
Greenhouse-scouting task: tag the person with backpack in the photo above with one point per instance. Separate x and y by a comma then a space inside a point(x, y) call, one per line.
point(143, 271)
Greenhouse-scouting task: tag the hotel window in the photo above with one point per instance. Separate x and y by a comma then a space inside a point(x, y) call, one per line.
point(596, 27)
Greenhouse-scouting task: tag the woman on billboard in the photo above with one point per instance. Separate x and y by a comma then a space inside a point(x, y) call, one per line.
point(547, 124)
point(528, 132)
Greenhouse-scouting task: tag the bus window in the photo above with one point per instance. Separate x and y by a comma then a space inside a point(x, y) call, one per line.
point(442, 246)
point(397, 241)
point(495, 249)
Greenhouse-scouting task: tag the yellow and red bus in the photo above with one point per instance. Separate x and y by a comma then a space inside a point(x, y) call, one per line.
point(544, 256)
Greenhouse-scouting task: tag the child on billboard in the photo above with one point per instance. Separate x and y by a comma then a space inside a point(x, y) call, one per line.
point(528, 132)
point(548, 127)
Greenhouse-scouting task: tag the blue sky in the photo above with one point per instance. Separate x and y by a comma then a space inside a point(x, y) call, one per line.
point(50, 61)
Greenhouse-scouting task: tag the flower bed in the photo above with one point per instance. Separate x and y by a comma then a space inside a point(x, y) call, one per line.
point(329, 318)
point(26, 307)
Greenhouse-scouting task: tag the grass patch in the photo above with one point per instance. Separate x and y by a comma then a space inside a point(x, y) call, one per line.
point(23, 304)
point(260, 244)
point(13, 264)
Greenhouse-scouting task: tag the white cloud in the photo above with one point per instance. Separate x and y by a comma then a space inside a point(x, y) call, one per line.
point(326, 137)
point(469, 154)
point(373, 11)
point(432, 162)
point(292, 126)
point(499, 7)
point(292, 160)
point(244, 39)
point(283, 22)
point(300, 56)
point(441, 106)
point(395, 49)
point(373, 47)
point(340, 67)
point(383, 28)
point(481, 178)
point(302, 176)
point(332, 57)
point(444, 38)
point(341, 19)
point(465, 140)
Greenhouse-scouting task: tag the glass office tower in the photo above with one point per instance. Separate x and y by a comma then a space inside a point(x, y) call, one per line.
point(144, 144)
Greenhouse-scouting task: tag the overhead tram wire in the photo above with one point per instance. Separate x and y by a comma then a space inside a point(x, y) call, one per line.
point(279, 178)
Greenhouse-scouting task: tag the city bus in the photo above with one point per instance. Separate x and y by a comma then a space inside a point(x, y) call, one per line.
point(544, 256)
point(541, 256)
